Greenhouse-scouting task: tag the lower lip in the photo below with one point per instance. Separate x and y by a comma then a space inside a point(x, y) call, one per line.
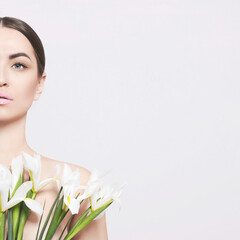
point(4, 101)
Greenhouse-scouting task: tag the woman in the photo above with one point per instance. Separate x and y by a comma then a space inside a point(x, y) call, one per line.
point(22, 77)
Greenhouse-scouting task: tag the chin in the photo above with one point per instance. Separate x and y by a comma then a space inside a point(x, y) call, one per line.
point(7, 117)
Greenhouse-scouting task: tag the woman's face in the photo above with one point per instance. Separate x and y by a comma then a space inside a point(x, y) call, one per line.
point(18, 74)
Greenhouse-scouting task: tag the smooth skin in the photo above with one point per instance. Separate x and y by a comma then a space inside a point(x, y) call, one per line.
point(20, 79)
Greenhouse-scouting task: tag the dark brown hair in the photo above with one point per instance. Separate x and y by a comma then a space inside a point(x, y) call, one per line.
point(31, 35)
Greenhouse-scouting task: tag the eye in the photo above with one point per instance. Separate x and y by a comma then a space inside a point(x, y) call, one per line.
point(19, 66)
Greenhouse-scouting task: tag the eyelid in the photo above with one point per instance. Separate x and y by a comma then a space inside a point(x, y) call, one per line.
point(24, 66)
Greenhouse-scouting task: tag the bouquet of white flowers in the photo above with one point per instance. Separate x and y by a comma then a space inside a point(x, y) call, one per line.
point(17, 198)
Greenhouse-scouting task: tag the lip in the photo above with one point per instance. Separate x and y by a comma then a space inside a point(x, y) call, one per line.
point(4, 101)
point(5, 95)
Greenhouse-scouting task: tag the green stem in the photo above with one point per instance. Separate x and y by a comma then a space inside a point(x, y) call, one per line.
point(78, 222)
point(62, 215)
point(49, 215)
point(65, 213)
point(40, 221)
point(10, 225)
point(78, 227)
point(2, 225)
point(58, 213)
point(16, 217)
point(24, 215)
point(16, 208)
point(70, 219)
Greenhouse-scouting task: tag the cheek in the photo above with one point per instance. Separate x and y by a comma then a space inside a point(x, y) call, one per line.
point(28, 90)
point(24, 89)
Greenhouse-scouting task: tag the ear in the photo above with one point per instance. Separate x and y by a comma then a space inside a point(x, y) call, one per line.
point(39, 87)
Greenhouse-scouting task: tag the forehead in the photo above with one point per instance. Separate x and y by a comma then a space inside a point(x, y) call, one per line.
point(12, 41)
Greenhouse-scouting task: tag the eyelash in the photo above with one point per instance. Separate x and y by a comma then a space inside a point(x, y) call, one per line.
point(18, 63)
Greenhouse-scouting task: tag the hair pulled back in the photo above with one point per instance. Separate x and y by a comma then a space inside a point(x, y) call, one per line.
point(31, 35)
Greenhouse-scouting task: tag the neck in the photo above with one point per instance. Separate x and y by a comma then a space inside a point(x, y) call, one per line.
point(13, 140)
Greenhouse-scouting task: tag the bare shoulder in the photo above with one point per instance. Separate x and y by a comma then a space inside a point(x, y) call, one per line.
point(48, 164)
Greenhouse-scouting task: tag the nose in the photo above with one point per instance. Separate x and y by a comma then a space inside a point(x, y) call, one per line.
point(3, 83)
point(3, 78)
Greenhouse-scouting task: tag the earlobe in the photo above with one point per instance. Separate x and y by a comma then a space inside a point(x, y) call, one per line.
point(39, 87)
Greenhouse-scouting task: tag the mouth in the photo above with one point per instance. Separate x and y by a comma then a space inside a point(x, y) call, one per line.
point(5, 96)
point(4, 101)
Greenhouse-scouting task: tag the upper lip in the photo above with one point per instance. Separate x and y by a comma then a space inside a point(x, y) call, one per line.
point(5, 95)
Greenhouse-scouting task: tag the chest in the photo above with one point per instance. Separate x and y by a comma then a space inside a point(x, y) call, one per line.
point(47, 195)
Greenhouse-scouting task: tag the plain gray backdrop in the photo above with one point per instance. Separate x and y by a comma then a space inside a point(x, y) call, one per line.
point(150, 90)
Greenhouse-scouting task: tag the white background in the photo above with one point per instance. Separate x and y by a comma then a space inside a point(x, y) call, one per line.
point(149, 89)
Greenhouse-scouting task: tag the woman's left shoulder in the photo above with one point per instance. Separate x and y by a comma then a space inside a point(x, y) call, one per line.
point(49, 163)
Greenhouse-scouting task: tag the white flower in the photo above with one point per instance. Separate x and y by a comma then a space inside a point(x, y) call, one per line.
point(70, 181)
point(20, 194)
point(34, 166)
point(105, 195)
point(5, 183)
point(70, 200)
point(17, 173)
point(94, 182)
point(34, 205)
point(68, 176)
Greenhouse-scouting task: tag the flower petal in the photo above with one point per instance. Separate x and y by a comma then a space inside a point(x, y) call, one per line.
point(70, 177)
point(34, 205)
point(23, 190)
point(58, 183)
point(33, 165)
point(17, 171)
point(72, 203)
point(19, 195)
point(5, 182)
point(57, 171)
point(44, 183)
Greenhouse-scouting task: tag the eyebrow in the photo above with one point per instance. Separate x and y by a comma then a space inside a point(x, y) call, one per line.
point(20, 54)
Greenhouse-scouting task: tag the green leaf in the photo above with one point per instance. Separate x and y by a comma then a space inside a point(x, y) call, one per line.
point(55, 219)
point(86, 221)
point(18, 184)
point(66, 227)
point(79, 221)
point(49, 214)
point(40, 221)
point(61, 218)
